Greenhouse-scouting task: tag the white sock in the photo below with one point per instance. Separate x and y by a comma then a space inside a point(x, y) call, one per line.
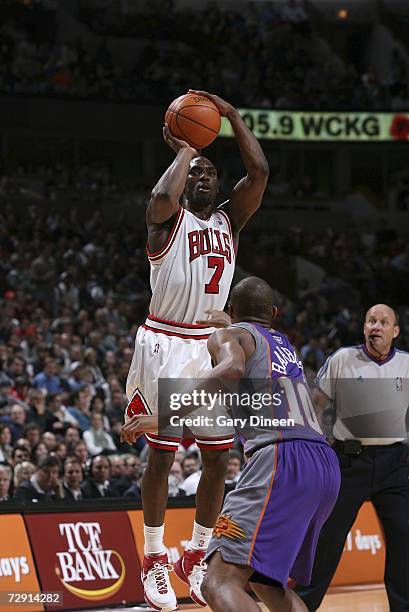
point(200, 537)
point(154, 540)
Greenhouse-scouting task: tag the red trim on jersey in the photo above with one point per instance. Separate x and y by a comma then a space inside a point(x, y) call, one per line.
point(234, 242)
point(168, 333)
point(175, 324)
point(153, 256)
point(228, 222)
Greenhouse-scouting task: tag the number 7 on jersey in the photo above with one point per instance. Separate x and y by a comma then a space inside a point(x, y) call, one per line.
point(218, 264)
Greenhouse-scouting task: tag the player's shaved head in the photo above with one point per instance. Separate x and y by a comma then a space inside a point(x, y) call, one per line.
point(253, 299)
point(202, 160)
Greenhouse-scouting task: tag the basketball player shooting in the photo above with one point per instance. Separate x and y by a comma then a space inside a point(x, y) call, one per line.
point(192, 245)
point(269, 525)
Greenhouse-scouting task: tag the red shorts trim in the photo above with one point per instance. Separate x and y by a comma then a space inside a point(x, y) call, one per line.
point(186, 331)
point(172, 444)
point(168, 333)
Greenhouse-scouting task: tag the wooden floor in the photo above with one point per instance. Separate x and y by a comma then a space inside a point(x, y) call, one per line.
point(358, 599)
point(371, 600)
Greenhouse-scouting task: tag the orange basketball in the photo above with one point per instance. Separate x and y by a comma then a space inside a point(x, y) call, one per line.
point(194, 119)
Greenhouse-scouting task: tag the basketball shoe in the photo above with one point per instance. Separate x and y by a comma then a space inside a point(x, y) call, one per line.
point(158, 591)
point(191, 568)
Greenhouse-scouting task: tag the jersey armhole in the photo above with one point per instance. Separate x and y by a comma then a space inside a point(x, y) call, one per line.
point(156, 257)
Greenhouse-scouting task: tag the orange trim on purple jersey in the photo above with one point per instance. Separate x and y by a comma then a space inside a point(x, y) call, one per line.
point(270, 488)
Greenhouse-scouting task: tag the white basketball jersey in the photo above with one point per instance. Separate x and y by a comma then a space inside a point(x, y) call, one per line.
point(371, 398)
point(193, 271)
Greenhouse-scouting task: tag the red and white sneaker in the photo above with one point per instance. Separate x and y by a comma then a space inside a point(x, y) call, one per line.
point(158, 591)
point(191, 568)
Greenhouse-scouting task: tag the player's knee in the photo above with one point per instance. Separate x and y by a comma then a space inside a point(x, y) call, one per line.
point(210, 585)
point(215, 461)
point(160, 462)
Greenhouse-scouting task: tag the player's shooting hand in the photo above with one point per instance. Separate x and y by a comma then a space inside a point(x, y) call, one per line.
point(137, 426)
point(217, 318)
point(176, 144)
point(225, 108)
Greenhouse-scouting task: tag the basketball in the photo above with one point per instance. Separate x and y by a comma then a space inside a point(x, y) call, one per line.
point(194, 119)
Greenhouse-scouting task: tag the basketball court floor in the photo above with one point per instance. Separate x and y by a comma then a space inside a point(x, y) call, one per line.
point(355, 599)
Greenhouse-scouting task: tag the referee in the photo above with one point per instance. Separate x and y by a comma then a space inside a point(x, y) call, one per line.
point(369, 388)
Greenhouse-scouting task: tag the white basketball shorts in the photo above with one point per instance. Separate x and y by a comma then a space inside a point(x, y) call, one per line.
point(164, 349)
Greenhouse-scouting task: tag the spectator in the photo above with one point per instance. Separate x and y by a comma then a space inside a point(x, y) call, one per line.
point(97, 484)
point(60, 451)
point(96, 439)
point(32, 433)
point(5, 443)
point(6, 474)
point(189, 465)
point(62, 417)
point(43, 484)
point(17, 421)
point(233, 468)
point(39, 452)
point(49, 440)
point(81, 452)
point(98, 405)
point(19, 454)
point(191, 473)
point(38, 412)
point(91, 361)
point(72, 479)
point(47, 380)
point(77, 379)
point(129, 484)
point(80, 409)
point(117, 467)
point(175, 479)
point(23, 471)
point(72, 437)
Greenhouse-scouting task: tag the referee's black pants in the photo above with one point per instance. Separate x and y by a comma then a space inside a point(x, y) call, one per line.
point(380, 474)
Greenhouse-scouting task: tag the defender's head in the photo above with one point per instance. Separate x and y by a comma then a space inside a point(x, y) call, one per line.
point(252, 299)
point(202, 183)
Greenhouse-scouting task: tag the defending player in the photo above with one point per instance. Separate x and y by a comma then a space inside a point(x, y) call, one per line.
point(269, 525)
point(191, 248)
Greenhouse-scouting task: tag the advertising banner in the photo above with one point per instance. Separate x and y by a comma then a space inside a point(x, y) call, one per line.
point(90, 557)
point(363, 558)
point(178, 531)
point(317, 126)
point(17, 570)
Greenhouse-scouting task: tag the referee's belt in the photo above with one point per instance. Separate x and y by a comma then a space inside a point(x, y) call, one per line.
point(355, 447)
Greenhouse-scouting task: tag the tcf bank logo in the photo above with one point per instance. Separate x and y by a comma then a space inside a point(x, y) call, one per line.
point(87, 561)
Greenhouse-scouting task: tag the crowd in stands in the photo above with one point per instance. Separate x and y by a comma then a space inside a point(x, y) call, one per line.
point(287, 64)
point(74, 290)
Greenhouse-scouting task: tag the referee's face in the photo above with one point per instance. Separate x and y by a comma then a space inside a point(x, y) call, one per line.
point(380, 329)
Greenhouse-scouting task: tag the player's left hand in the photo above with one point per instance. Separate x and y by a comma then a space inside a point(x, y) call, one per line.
point(137, 426)
point(217, 318)
point(224, 107)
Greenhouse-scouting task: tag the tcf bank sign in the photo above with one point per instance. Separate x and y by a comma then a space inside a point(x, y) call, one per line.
point(89, 557)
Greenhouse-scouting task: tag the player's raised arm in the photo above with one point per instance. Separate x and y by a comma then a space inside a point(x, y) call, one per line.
point(164, 202)
point(247, 194)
